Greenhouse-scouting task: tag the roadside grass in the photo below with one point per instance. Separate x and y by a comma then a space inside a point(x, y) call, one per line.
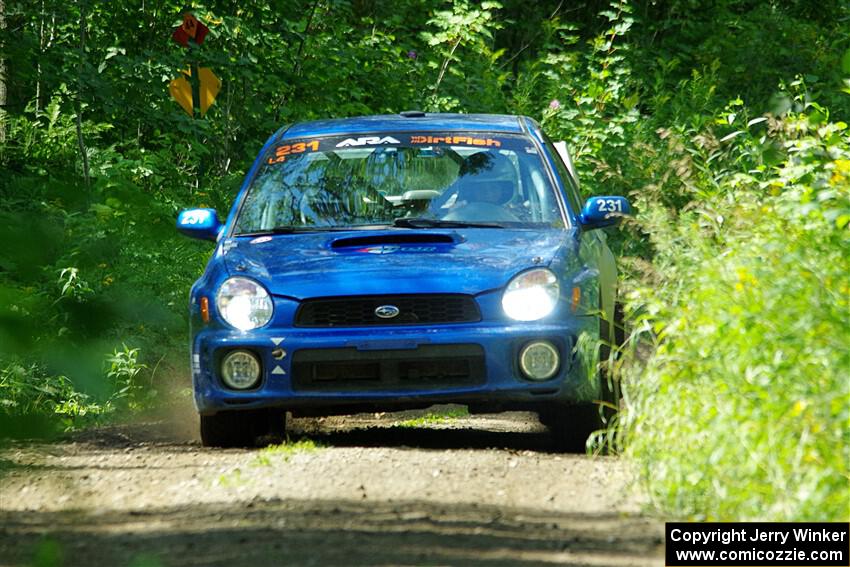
point(231, 479)
point(742, 411)
point(434, 417)
point(37, 403)
point(267, 455)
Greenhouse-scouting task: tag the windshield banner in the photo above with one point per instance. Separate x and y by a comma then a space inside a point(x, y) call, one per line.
point(291, 148)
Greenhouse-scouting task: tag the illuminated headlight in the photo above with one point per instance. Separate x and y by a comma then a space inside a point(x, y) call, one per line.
point(531, 295)
point(240, 370)
point(539, 360)
point(244, 303)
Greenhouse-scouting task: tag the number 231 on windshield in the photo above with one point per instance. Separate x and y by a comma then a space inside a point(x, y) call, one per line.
point(281, 152)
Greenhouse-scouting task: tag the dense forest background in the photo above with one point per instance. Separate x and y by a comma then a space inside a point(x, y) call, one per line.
point(724, 121)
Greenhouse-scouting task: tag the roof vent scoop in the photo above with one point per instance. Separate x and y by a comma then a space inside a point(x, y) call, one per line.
point(412, 114)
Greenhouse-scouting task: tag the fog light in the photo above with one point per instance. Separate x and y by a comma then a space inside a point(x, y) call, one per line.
point(539, 360)
point(240, 370)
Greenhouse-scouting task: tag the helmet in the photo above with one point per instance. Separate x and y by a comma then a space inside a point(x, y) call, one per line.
point(488, 177)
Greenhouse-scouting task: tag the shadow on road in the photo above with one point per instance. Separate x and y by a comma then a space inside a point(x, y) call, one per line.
point(513, 432)
point(426, 438)
point(97, 499)
point(321, 532)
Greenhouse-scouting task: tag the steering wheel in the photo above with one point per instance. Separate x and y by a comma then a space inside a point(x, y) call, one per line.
point(478, 211)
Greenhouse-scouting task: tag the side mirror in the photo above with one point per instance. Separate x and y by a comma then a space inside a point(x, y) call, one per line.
point(604, 211)
point(199, 223)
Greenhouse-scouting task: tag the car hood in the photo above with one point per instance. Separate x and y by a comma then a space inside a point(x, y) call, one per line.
point(391, 261)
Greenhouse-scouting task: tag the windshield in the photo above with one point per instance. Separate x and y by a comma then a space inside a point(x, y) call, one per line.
point(407, 180)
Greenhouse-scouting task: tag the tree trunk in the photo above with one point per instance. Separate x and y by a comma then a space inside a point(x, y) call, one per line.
point(2, 72)
point(80, 141)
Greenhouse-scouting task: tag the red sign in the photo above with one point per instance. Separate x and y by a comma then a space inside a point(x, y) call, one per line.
point(190, 29)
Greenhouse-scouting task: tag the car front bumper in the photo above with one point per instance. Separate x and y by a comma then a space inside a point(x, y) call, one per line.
point(332, 370)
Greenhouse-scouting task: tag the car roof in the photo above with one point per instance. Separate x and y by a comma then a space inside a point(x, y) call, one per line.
point(408, 122)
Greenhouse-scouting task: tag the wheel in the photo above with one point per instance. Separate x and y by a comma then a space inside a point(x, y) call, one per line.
point(571, 425)
point(241, 428)
point(610, 335)
point(619, 324)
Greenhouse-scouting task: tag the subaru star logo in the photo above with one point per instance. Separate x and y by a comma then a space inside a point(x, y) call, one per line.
point(386, 311)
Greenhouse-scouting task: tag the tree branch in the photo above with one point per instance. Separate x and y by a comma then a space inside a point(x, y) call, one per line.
point(80, 141)
point(297, 67)
point(2, 73)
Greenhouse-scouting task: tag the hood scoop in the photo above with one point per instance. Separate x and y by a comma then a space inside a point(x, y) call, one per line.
point(382, 239)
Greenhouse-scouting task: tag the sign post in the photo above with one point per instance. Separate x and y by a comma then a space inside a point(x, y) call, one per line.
point(196, 87)
point(192, 95)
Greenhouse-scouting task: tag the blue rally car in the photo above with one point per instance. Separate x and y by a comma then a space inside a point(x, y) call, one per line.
point(396, 262)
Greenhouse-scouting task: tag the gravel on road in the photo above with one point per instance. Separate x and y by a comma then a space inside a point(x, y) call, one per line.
point(417, 488)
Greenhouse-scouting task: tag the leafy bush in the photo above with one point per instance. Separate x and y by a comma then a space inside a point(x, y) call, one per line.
point(34, 402)
point(736, 264)
point(84, 269)
point(741, 413)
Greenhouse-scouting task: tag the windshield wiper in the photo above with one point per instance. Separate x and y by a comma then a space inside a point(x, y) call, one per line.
point(417, 222)
point(276, 230)
point(303, 229)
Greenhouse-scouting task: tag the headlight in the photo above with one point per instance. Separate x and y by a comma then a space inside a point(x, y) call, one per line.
point(531, 295)
point(244, 303)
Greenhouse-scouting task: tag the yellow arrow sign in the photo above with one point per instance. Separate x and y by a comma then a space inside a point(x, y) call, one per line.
point(181, 90)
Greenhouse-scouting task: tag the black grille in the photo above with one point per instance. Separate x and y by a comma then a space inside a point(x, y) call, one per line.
point(348, 369)
point(412, 310)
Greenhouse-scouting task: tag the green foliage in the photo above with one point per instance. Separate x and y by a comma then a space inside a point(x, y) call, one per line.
point(48, 553)
point(284, 451)
point(463, 24)
point(434, 417)
point(723, 121)
point(34, 402)
point(593, 100)
point(742, 411)
point(123, 370)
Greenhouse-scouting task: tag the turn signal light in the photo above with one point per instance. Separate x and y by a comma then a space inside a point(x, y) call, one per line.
point(576, 299)
point(205, 310)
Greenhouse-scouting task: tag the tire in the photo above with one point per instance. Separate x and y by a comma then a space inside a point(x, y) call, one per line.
point(610, 335)
point(241, 428)
point(570, 426)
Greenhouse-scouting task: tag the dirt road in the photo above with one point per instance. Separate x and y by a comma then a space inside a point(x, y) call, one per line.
point(412, 489)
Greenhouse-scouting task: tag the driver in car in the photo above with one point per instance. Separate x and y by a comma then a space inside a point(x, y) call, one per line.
point(485, 186)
